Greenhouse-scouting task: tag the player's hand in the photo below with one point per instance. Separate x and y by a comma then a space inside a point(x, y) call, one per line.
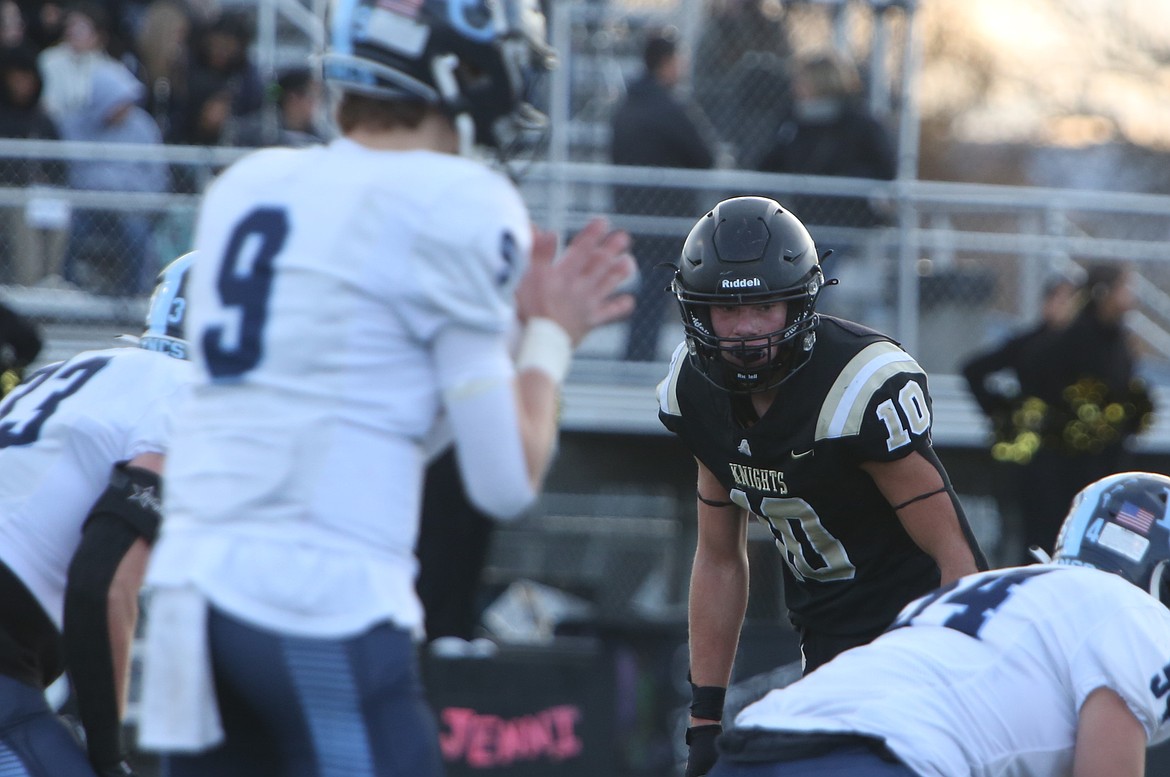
point(578, 289)
point(701, 753)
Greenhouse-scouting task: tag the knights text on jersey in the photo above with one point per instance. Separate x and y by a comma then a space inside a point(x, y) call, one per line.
point(986, 677)
point(61, 432)
point(850, 563)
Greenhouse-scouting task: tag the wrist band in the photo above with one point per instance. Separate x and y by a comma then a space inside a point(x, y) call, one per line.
point(707, 701)
point(545, 346)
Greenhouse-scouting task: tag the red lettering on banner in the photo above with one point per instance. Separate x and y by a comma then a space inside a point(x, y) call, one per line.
point(486, 741)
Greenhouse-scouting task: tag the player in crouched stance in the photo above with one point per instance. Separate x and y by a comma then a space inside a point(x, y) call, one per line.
point(82, 444)
point(348, 298)
point(1044, 670)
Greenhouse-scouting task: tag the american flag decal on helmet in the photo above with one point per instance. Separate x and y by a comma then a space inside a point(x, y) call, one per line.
point(1136, 518)
point(409, 8)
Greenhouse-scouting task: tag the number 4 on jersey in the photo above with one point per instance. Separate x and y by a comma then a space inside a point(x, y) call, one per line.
point(970, 602)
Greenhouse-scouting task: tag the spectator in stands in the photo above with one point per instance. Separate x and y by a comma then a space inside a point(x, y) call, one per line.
point(297, 95)
point(27, 250)
point(113, 242)
point(831, 132)
point(219, 52)
point(1021, 356)
point(207, 113)
point(654, 128)
point(12, 29)
point(68, 66)
point(20, 343)
point(453, 542)
point(1091, 401)
point(162, 47)
point(44, 22)
point(741, 75)
point(205, 122)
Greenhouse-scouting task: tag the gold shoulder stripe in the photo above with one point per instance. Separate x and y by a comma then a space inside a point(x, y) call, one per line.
point(668, 388)
point(841, 412)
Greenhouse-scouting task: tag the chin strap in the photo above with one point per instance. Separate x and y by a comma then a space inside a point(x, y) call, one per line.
point(443, 68)
point(1038, 553)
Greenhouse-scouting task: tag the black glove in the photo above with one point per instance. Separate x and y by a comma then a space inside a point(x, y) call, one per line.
point(701, 753)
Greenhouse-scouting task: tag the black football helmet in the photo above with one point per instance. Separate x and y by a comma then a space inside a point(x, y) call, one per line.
point(748, 251)
point(475, 59)
point(167, 314)
point(1121, 524)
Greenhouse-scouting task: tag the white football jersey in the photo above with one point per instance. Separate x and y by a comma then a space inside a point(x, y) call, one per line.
point(323, 277)
point(988, 678)
point(60, 435)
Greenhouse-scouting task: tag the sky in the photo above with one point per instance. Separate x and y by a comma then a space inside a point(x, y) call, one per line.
point(1063, 72)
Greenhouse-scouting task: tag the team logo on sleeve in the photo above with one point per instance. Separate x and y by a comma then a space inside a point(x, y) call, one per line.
point(146, 498)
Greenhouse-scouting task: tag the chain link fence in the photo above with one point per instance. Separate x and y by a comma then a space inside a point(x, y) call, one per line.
point(958, 267)
point(946, 268)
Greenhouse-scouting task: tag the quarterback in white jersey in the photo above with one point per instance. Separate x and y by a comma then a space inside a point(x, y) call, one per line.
point(1039, 671)
point(81, 448)
point(350, 299)
point(324, 378)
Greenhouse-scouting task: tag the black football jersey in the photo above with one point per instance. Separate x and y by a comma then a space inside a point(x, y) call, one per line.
point(851, 566)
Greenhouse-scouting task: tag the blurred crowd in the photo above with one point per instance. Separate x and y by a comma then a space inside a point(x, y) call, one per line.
point(753, 104)
point(133, 72)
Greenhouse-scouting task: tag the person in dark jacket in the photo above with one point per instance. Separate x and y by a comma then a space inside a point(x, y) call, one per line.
point(1004, 381)
point(297, 96)
point(109, 240)
point(26, 250)
point(20, 343)
point(1089, 401)
point(1057, 309)
point(654, 128)
point(832, 133)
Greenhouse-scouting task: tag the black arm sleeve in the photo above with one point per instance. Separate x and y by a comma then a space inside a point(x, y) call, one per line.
point(128, 510)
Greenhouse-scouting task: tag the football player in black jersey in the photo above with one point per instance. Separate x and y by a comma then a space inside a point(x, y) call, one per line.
point(817, 426)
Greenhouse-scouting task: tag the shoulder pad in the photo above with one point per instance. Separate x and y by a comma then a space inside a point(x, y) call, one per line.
point(668, 403)
point(844, 406)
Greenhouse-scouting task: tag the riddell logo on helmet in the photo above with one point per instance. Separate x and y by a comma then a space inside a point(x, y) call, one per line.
point(742, 283)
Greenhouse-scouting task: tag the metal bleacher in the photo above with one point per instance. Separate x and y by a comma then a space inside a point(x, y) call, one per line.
point(956, 268)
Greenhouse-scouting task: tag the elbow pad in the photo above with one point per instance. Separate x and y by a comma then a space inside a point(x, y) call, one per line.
point(134, 496)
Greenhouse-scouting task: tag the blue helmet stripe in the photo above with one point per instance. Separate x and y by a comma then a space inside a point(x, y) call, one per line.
point(341, 22)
